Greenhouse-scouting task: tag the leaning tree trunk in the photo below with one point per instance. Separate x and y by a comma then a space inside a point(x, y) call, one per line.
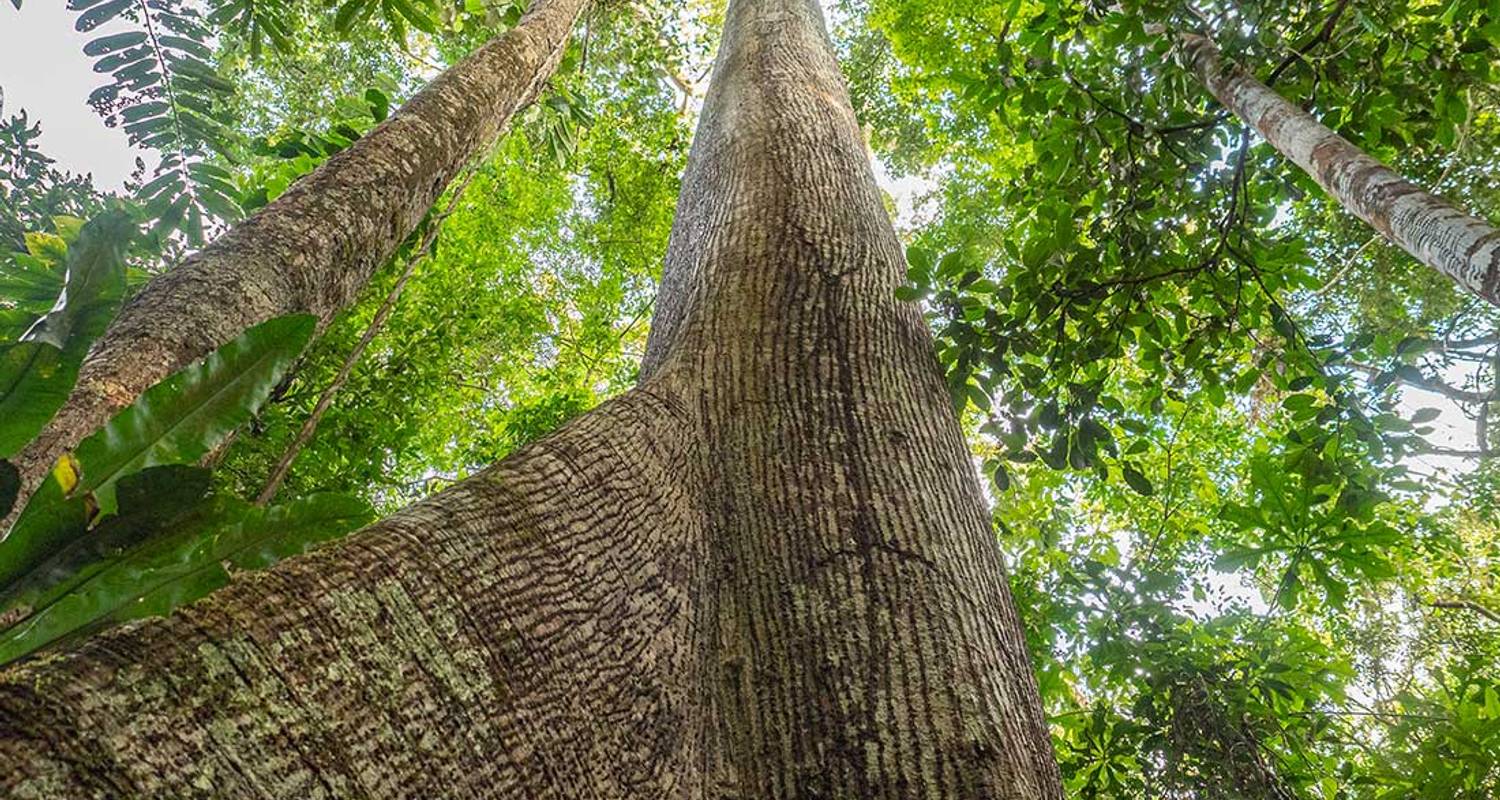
point(316, 246)
point(1460, 246)
point(767, 571)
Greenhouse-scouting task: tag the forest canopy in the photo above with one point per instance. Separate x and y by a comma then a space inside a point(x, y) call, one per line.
point(1237, 443)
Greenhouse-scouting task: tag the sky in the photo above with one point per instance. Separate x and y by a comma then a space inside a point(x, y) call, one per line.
point(44, 71)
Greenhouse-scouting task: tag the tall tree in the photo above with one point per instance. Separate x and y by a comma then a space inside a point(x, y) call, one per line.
point(315, 247)
point(1453, 242)
point(766, 571)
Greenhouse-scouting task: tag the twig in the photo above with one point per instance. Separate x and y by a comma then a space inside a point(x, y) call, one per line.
point(1468, 605)
point(1426, 384)
point(1299, 53)
point(1348, 265)
point(1453, 452)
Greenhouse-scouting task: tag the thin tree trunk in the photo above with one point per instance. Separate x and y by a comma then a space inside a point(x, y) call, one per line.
point(767, 571)
point(1462, 247)
point(315, 247)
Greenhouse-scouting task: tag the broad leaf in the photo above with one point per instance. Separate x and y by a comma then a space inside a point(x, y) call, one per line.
point(1137, 481)
point(178, 421)
point(149, 501)
point(50, 522)
point(35, 379)
point(37, 373)
point(183, 564)
point(181, 419)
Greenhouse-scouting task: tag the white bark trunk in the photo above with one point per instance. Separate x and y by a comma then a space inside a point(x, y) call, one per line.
point(1461, 246)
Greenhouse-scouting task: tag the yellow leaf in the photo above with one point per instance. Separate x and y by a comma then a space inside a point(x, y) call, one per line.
point(47, 246)
point(67, 472)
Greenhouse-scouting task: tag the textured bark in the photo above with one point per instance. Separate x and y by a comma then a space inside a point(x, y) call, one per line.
point(315, 247)
point(527, 634)
point(865, 640)
point(1456, 244)
point(765, 572)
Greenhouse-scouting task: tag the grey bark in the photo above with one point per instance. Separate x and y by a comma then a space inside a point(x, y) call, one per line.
point(315, 247)
point(1461, 246)
point(765, 572)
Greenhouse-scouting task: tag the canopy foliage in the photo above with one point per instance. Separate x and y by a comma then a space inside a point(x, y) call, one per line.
point(1239, 446)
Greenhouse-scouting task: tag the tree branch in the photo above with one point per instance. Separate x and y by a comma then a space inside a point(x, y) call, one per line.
point(1415, 379)
point(1299, 53)
point(1468, 605)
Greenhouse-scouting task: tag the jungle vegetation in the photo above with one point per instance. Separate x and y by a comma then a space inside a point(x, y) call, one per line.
point(926, 398)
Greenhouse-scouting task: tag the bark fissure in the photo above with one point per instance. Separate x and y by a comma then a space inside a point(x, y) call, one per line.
point(1463, 247)
point(767, 572)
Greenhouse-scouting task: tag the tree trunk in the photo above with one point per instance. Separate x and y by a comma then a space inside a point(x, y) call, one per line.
point(314, 248)
point(767, 571)
point(1460, 246)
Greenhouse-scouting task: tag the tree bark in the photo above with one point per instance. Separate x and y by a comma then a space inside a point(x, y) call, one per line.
point(767, 571)
point(315, 247)
point(1456, 244)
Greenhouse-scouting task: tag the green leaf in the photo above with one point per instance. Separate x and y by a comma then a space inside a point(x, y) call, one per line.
point(31, 287)
point(37, 373)
point(1056, 456)
point(149, 500)
point(94, 284)
point(921, 262)
point(1001, 477)
point(415, 16)
point(292, 528)
point(100, 14)
point(181, 419)
point(344, 19)
point(10, 487)
point(183, 564)
point(380, 104)
point(144, 110)
point(187, 46)
point(254, 538)
point(1137, 481)
point(1426, 415)
point(48, 247)
point(108, 44)
point(122, 59)
point(35, 379)
point(49, 522)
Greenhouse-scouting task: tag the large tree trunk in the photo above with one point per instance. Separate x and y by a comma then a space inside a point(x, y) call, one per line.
point(766, 572)
point(313, 248)
point(1462, 247)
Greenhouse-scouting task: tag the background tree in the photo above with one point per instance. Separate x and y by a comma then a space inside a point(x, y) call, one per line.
point(1218, 507)
point(277, 262)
